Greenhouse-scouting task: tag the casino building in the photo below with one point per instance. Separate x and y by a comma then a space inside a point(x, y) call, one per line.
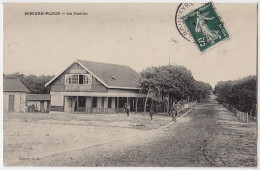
point(93, 87)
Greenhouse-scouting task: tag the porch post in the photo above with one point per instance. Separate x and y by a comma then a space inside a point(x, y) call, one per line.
point(133, 103)
point(77, 107)
point(103, 104)
point(107, 105)
point(127, 102)
point(117, 102)
point(91, 106)
point(136, 100)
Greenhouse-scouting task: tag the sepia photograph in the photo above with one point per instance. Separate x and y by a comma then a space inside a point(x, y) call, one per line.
point(130, 84)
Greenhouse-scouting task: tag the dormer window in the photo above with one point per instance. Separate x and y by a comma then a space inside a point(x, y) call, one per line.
point(83, 79)
point(73, 79)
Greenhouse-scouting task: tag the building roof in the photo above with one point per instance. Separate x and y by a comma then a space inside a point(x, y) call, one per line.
point(110, 75)
point(38, 97)
point(14, 85)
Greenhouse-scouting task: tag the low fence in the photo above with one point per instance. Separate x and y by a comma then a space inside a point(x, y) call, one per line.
point(240, 115)
point(181, 107)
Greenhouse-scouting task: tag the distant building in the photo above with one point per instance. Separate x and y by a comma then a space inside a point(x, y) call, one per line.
point(87, 86)
point(38, 102)
point(14, 94)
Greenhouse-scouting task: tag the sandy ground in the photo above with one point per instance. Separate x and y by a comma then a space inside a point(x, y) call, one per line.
point(208, 136)
point(36, 135)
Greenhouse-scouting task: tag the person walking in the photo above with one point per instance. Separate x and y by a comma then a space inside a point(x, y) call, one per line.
point(151, 111)
point(174, 112)
point(126, 109)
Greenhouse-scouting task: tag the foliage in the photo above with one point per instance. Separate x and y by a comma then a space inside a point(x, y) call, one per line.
point(242, 93)
point(203, 89)
point(174, 81)
point(34, 83)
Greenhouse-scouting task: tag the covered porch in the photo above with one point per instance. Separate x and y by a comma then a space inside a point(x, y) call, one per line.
point(110, 103)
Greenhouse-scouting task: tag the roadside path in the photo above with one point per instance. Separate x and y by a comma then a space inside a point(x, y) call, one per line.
point(209, 135)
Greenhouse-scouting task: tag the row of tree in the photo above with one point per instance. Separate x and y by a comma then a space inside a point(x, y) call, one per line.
point(172, 83)
point(163, 83)
point(33, 83)
point(242, 93)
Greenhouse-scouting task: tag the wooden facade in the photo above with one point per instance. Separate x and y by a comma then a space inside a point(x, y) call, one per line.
point(92, 97)
point(14, 101)
point(38, 103)
point(59, 85)
point(14, 94)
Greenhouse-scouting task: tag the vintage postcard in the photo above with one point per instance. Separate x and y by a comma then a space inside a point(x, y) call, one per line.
point(130, 84)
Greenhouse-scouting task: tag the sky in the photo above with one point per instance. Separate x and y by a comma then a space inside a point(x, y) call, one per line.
point(136, 35)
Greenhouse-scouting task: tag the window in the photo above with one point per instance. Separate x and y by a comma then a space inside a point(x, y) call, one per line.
point(86, 80)
point(78, 79)
point(73, 79)
point(83, 79)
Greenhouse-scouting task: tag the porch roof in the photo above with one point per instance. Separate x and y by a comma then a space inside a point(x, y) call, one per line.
point(38, 97)
point(99, 94)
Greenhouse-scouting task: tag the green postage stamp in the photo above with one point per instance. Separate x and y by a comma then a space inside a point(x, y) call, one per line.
point(205, 26)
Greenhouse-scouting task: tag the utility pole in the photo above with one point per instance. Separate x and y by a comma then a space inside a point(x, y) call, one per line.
point(170, 55)
point(174, 41)
point(148, 37)
point(243, 97)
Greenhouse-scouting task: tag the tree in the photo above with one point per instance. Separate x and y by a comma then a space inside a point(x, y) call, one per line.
point(170, 82)
point(203, 89)
point(241, 93)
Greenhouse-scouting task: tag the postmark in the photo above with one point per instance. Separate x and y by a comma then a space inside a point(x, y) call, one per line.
point(205, 27)
point(182, 10)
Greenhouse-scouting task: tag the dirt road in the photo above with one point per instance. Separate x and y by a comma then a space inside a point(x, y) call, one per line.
point(209, 135)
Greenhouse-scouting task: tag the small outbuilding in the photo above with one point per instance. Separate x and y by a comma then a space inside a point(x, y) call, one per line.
point(14, 95)
point(38, 102)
